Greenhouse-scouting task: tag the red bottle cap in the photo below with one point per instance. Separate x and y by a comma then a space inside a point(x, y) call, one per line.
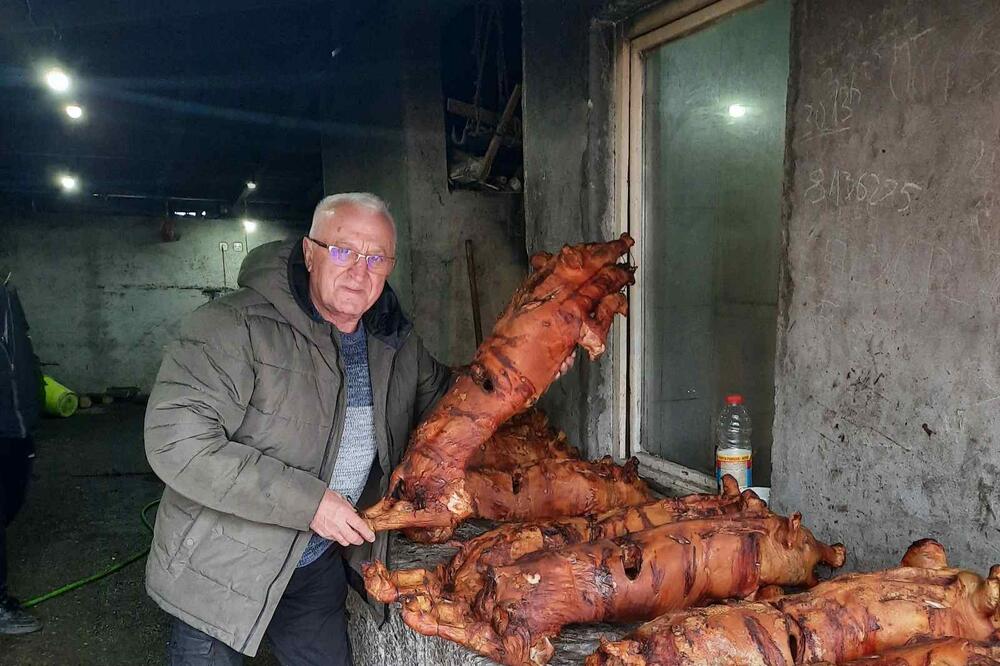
point(734, 399)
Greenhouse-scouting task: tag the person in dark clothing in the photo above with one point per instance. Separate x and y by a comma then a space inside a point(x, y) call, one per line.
point(20, 406)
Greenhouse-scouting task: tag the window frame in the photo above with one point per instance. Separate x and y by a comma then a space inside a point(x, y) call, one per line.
point(641, 34)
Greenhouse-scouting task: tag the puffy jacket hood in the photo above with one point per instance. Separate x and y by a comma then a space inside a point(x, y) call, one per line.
point(277, 271)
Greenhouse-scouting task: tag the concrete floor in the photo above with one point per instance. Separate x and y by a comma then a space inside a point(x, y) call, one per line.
point(82, 515)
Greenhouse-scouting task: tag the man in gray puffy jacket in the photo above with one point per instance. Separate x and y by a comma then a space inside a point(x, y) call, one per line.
point(277, 415)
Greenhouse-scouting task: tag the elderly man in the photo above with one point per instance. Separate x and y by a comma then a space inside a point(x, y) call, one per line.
point(280, 411)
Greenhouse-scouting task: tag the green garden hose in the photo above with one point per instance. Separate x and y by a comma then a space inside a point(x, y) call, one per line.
point(98, 576)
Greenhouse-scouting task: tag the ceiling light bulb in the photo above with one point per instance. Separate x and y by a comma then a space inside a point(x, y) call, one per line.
point(74, 111)
point(251, 185)
point(737, 110)
point(68, 183)
point(249, 226)
point(57, 80)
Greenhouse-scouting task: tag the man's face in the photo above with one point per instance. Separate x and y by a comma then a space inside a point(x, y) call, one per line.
point(346, 292)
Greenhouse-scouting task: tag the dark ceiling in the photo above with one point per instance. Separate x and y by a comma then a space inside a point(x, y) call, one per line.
point(184, 102)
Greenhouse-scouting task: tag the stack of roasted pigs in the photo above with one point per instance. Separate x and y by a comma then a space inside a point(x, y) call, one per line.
point(587, 542)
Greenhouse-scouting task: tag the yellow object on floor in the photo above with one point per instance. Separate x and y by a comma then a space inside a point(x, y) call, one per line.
point(59, 400)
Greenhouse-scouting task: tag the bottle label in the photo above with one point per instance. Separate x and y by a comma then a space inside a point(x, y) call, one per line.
point(737, 463)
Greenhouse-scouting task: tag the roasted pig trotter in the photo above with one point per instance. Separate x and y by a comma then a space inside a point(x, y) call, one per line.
point(566, 302)
point(744, 634)
point(451, 620)
point(644, 574)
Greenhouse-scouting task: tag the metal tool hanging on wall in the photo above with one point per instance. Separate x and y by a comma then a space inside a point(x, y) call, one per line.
point(489, 19)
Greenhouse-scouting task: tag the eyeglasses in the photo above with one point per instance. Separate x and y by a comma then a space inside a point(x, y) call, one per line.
point(345, 256)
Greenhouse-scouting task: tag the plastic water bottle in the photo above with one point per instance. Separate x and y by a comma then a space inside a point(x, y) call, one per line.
point(733, 453)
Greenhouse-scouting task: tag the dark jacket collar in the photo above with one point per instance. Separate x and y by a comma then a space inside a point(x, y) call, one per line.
point(278, 272)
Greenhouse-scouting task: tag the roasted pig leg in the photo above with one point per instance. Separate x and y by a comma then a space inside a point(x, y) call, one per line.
point(642, 575)
point(451, 620)
point(569, 300)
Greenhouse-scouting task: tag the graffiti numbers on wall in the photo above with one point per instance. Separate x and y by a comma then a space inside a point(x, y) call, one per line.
point(839, 187)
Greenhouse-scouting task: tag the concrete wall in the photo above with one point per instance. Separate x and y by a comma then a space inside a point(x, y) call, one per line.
point(103, 295)
point(568, 170)
point(410, 171)
point(886, 405)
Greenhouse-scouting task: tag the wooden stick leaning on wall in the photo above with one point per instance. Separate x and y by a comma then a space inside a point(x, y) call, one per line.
point(474, 291)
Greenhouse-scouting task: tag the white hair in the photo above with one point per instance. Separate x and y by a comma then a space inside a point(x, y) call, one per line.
point(329, 205)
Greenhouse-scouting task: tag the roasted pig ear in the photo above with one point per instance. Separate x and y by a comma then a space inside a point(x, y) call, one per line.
point(794, 525)
point(769, 593)
point(796, 537)
point(926, 554)
point(539, 259)
point(731, 488)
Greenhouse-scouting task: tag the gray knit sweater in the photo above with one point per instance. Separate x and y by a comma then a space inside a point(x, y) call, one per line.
point(357, 443)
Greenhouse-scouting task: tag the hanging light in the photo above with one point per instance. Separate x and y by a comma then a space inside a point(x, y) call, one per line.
point(249, 226)
point(68, 183)
point(74, 111)
point(57, 80)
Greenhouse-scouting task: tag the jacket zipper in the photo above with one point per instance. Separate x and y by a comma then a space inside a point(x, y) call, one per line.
point(388, 433)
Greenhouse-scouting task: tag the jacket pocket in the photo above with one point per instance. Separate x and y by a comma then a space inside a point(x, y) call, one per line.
point(199, 528)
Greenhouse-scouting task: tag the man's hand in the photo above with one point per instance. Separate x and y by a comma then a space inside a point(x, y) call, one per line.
point(567, 364)
point(337, 520)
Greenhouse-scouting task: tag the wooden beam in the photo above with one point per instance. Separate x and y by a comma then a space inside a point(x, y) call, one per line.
point(508, 115)
point(466, 110)
point(487, 117)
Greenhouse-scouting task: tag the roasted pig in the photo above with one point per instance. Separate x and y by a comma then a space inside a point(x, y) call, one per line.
point(644, 574)
point(463, 576)
point(570, 299)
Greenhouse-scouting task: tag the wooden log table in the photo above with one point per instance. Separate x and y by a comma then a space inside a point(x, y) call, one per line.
point(395, 644)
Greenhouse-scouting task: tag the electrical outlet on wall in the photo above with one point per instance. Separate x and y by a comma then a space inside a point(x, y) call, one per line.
point(237, 247)
point(224, 246)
